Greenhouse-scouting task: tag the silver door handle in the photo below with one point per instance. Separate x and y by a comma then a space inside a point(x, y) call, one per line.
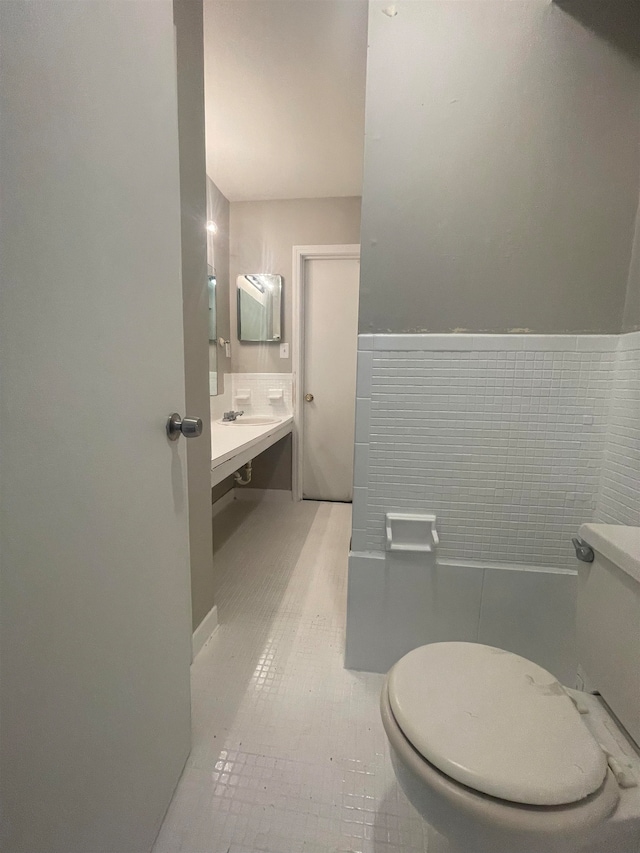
point(309, 398)
point(188, 427)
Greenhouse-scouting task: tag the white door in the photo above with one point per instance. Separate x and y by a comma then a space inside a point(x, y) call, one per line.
point(329, 384)
point(95, 568)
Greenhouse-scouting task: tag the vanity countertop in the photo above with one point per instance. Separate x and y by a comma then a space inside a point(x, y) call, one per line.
point(234, 445)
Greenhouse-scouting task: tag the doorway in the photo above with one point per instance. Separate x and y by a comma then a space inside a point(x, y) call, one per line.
point(325, 334)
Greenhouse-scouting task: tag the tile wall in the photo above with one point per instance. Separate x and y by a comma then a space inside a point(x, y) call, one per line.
point(619, 494)
point(501, 436)
point(269, 393)
point(513, 442)
point(260, 387)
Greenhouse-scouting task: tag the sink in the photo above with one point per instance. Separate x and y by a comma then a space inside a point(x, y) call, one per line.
point(251, 420)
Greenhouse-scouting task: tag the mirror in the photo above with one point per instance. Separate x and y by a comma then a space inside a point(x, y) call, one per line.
point(259, 307)
point(213, 332)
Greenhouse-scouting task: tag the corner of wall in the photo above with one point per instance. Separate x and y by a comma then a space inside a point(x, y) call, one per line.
point(618, 499)
point(218, 211)
point(193, 200)
point(631, 316)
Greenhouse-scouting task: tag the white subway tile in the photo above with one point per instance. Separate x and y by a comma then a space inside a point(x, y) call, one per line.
point(361, 465)
point(365, 365)
point(259, 386)
point(597, 343)
point(363, 419)
point(359, 516)
point(499, 443)
point(619, 493)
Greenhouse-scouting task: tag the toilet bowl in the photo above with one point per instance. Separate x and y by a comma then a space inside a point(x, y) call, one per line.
point(477, 822)
point(498, 757)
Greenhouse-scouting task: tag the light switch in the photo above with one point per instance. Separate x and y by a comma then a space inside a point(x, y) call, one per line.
point(284, 350)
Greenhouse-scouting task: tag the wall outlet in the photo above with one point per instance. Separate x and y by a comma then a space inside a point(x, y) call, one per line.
point(284, 350)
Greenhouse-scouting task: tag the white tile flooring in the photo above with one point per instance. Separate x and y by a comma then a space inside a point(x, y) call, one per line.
point(289, 754)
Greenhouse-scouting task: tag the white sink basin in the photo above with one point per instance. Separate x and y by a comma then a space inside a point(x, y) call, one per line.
point(250, 420)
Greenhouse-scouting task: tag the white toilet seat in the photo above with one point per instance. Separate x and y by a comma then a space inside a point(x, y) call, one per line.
point(493, 824)
point(495, 722)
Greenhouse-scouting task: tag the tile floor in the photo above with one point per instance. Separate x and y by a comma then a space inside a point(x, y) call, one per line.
point(289, 755)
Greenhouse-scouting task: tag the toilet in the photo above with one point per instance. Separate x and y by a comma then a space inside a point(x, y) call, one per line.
point(499, 757)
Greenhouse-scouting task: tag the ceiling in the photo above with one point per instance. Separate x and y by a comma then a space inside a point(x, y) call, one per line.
point(284, 97)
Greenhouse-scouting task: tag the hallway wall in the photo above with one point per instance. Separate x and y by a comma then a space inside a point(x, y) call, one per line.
point(263, 234)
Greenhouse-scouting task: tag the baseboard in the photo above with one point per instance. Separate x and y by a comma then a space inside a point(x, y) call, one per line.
point(223, 502)
point(242, 493)
point(205, 630)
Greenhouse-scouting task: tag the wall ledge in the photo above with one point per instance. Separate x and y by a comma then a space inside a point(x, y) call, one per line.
point(460, 342)
point(629, 341)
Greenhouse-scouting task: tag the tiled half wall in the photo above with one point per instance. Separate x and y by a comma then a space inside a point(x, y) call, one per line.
point(513, 441)
point(619, 495)
point(504, 438)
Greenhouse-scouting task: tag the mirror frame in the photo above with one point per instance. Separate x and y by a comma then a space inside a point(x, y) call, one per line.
point(277, 310)
point(212, 275)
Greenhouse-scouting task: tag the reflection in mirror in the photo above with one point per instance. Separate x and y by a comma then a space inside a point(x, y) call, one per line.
point(259, 307)
point(213, 333)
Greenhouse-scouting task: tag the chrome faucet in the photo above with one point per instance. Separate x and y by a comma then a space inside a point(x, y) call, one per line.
point(231, 416)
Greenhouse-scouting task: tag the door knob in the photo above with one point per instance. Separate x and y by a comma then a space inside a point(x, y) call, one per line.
point(188, 427)
point(308, 398)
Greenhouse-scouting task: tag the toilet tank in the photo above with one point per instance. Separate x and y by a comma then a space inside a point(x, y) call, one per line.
point(608, 620)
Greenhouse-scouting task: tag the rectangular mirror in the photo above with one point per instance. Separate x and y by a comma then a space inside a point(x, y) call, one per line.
point(259, 307)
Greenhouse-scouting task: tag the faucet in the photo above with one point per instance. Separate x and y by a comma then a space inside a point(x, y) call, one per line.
point(231, 416)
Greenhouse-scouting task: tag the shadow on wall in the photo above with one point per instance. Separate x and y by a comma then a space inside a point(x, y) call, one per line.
point(617, 22)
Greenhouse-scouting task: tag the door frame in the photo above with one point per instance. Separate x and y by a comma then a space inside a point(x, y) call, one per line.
point(301, 254)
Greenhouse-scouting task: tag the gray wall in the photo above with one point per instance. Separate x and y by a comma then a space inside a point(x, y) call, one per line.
point(631, 318)
point(501, 170)
point(271, 469)
point(263, 234)
point(190, 58)
point(218, 257)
